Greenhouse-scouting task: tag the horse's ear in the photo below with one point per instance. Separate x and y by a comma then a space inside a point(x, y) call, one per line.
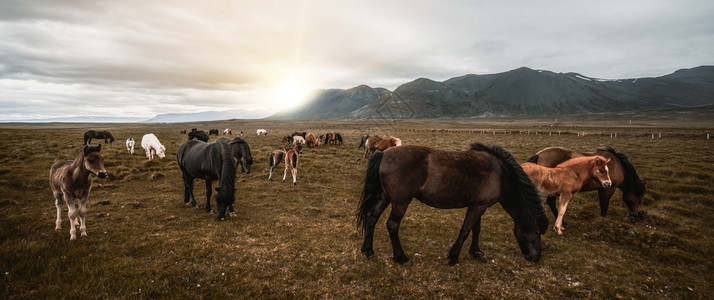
point(597, 160)
point(85, 150)
point(99, 147)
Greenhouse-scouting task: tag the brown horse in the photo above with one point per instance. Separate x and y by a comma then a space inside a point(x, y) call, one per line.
point(98, 134)
point(377, 143)
point(476, 179)
point(71, 180)
point(311, 140)
point(291, 161)
point(622, 174)
point(567, 178)
point(279, 156)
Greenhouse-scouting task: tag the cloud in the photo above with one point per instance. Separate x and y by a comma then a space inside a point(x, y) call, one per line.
point(157, 57)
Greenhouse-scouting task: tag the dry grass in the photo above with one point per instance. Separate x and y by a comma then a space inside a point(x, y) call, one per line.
point(301, 241)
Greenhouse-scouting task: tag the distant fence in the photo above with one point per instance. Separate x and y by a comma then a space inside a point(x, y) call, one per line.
point(610, 133)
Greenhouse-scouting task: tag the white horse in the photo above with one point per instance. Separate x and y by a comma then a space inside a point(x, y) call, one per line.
point(297, 140)
point(227, 131)
point(130, 145)
point(262, 131)
point(151, 145)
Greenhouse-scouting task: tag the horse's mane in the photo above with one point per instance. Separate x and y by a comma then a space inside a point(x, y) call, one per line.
point(576, 160)
point(528, 199)
point(226, 190)
point(634, 180)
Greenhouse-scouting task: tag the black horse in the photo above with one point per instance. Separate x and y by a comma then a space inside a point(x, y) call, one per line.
point(241, 150)
point(209, 161)
point(476, 179)
point(199, 135)
point(213, 131)
point(622, 174)
point(98, 134)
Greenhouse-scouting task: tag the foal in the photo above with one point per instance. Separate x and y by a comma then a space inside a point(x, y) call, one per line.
point(71, 180)
point(567, 178)
point(291, 161)
point(130, 145)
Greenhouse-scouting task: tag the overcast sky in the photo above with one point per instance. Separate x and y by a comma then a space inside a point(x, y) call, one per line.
point(142, 58)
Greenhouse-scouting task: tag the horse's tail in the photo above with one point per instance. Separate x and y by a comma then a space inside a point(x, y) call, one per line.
point(372, 191)
point(533, 159)
point(295, 159)
point(528, 200)
point(631, 176)
point(226, 186)
point(272, 156)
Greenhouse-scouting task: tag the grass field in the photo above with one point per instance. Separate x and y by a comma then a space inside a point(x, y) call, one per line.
point(302, 241)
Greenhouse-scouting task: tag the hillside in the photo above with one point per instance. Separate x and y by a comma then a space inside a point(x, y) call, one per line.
point(522, 91)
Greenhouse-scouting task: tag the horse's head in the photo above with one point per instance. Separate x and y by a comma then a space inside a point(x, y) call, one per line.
point(529, 238)
point(298, 148)
point(601, 172)
point(240, 148)
point(94, 161)
point(161, 152)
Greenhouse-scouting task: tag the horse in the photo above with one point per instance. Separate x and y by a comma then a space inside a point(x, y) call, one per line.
point(302, 134)
point(199, 135)
point(378, 143)
point(339, 138)
point(213, 132)
point(209, 161)
point(298, 140)
point(311, 140)
point(240, 149)
point(72, 180)
point(622, 174)
point(327, 138)
point(130, 145)
point(475, 178)
point(151, 145)
point(332, 138)
point(98, 134)
point(291, 161)
point(183, 131)
point(227, 131)
point(566, 179)
point(261, 131)
point(287, 139)
point(277, 157)
point(363, 140)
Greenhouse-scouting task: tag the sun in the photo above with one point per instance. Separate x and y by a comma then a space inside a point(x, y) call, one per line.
point(289, 93)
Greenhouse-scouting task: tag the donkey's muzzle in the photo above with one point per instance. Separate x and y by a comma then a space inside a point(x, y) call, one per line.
point(102, 174)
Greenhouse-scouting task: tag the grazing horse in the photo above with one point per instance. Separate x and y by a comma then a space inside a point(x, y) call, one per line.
point(183, 131)
point(363, 140)
point(378, 143)
point(130, 145)
point(71, 180)
point(311, 140)
point(291, 161)
point(622, 174)
point(339, 139)
point(98, 134)
point(475, 178)
point(302, 134)
point(297, 140)
point(199, 135)
point(151, 145)
point(240, 150)
point(287, 139)
point(227, 131)
point(566, 179)
point(209, 161)
point(261, 131)
point(277, 157)
point(332, 138)
point(213, 132)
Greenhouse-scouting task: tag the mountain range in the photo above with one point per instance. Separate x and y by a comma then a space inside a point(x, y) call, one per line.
point(522, 91)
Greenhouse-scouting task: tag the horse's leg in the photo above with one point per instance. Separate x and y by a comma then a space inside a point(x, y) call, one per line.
point(83, 215)
point(564, 199)
point(189, 184)
point(472, 215)
point(395, 218)
point(208, 194)
point(475, 250)
point(551, 202)
point(370, 221)
point(272, 168)
point(293, 171)
point(285, 173)
point(58, 204)
point(72, 215)
point(604, 195)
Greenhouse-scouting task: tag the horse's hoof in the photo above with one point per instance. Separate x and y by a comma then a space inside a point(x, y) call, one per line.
point(222, 219)
point(233, 214)
point(294, 183)
point(453, 262)
point(408, 263)
point(404, 261)
point(72, 237)
point(478, 255)
point(368, 253)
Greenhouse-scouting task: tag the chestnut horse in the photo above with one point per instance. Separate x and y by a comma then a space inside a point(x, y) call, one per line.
point(277, 157)
point(71, 180)
point(566, 179)
point(311, 140)
point(291, 161)
point(622, 174)
point(378, 143)
point(475, 178)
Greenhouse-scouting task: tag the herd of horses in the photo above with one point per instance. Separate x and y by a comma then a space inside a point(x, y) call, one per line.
point(475, 179)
